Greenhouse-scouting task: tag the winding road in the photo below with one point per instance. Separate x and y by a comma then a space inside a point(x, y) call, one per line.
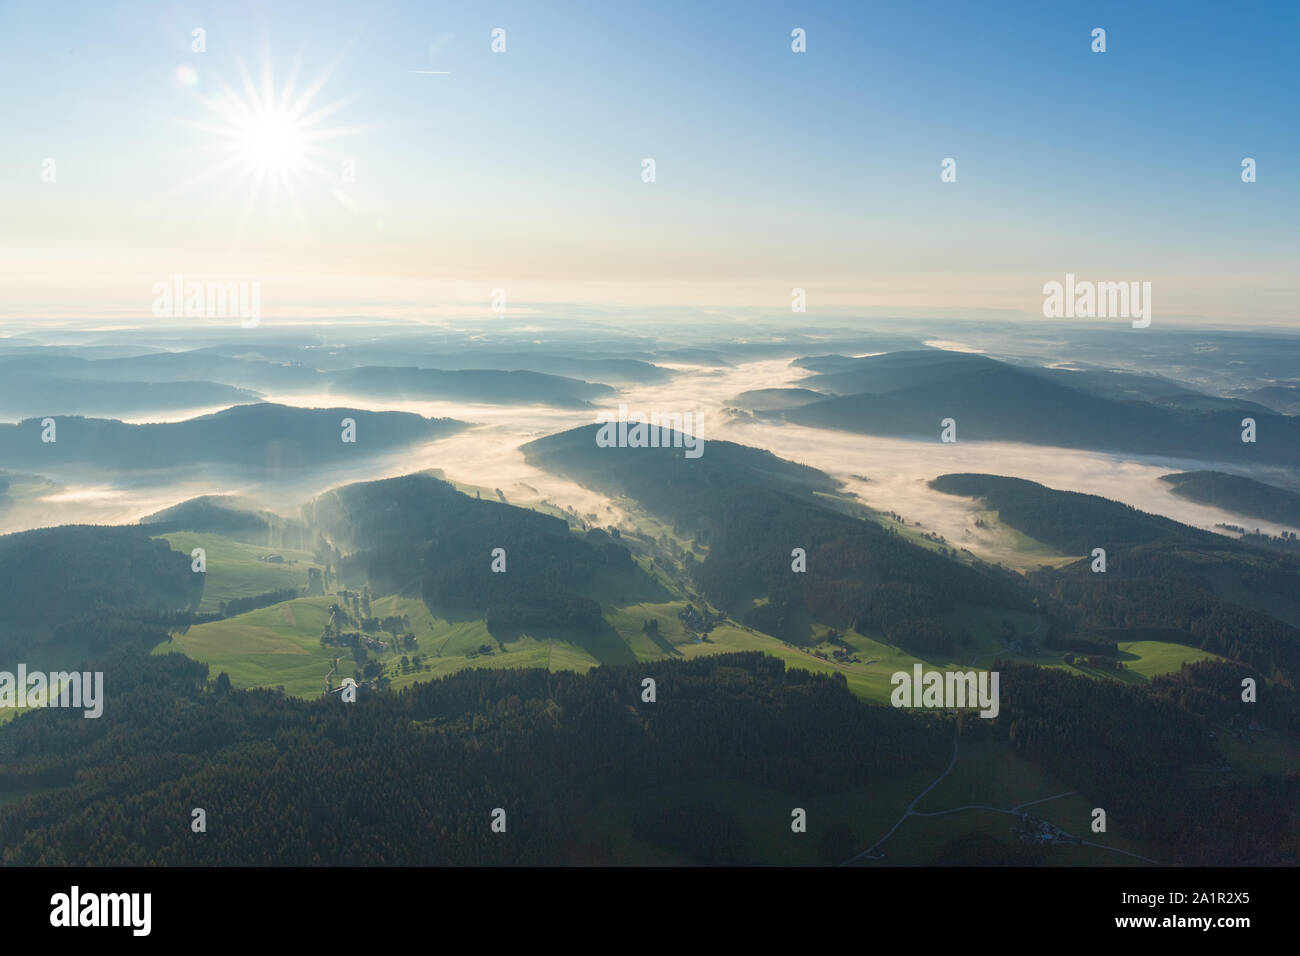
point(911, 811)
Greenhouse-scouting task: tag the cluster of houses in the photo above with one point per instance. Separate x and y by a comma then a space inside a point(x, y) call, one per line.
point(692, 620)
point(1042, 833)
point(351, 638)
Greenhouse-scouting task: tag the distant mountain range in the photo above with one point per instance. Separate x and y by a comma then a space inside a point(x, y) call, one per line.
point(478, 385)
point(584, 369)
point(23, 395)
point(908, 394)
point(263, 436)
point(49, 383)
point(189, 366)
point(403, 352)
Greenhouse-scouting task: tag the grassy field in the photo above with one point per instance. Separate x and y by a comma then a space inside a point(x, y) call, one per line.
point(1149, 658)
point(280, 646)
point(1142, 661)
point(234, 569)
point(1030, 551)
point(869, 678)
point(269, 647)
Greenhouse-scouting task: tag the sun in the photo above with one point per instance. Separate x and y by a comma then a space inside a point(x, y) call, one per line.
point(268, 140)
point(271, 141)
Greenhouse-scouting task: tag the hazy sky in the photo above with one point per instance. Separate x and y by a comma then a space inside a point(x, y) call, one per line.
point(523, 169)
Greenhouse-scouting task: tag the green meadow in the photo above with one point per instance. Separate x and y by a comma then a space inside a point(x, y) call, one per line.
point(1142, 661)
point(234, 568)
point(1030, 552)
point(279, 646)
point(268, 647)
point(1149, 658)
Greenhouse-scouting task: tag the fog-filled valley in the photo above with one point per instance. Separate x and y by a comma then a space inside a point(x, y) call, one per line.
point(422, 522)
point(544, 437)
point(508, 395)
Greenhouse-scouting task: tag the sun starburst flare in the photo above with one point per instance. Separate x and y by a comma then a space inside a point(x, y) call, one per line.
point(268, 142)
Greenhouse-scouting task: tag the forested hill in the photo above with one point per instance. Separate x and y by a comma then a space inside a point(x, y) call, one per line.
point(751, 510)
point(1073, 522)
point(219, 514)
point(1186, 585)
point(79, 585)
point(413, 778)
point(1235, 493)
point(664, 480)
point(419, 535)
point(878, 374)
point(264, 436)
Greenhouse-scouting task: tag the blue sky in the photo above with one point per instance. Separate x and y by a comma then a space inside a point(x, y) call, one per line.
point(774, 169)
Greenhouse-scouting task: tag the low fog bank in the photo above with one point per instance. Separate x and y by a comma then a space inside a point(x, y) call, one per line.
point(886, 473)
